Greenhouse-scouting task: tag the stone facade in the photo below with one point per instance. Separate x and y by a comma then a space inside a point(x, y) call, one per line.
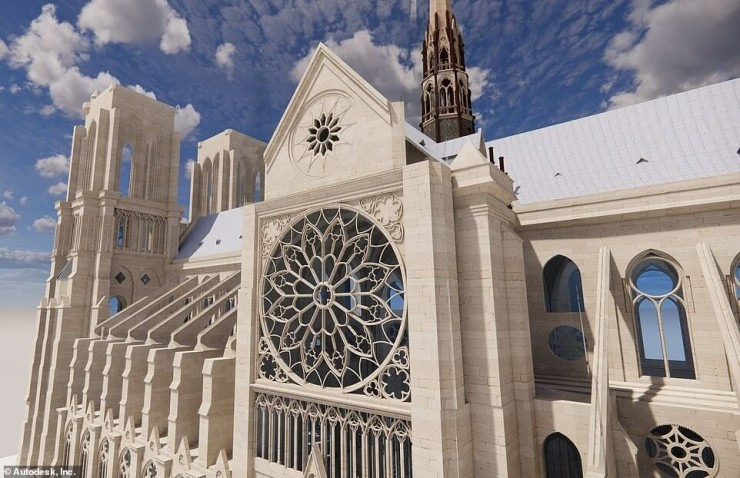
point(383, 313)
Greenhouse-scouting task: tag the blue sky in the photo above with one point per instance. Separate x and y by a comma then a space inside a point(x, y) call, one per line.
point(234, 64)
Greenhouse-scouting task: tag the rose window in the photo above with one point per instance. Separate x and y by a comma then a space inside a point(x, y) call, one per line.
point(679, 452)
point(333, 311)
point(323, 135)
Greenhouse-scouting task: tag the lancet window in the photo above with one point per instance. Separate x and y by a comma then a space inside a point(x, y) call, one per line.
point(660, 318)
point(139, 232)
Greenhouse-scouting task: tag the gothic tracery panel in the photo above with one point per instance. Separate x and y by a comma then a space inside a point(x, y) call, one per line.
point(333, 311)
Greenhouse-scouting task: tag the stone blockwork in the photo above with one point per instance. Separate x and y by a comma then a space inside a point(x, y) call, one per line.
point(383, 313)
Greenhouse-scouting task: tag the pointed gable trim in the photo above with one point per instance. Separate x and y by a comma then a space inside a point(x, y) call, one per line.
point(324, 58)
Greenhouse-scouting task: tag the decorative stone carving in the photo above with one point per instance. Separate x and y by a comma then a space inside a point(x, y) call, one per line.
point(322, 136)
point(271, 230)
point(388, 211)
point(679, 451)
point(332, 309)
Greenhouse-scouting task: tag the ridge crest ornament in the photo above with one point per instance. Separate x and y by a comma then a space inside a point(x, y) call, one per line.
point(322, 137)
point(332, 307)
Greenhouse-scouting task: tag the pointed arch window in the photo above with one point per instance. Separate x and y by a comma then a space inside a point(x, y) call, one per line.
point(116, 305)
point(124, 466)
point(563, 288)
point(125, 169)
point(444, 56)
point(68, 437)
point(562, 459)
point(660, 318)
point(257, 191)
point(104, 457)
point(85, 452)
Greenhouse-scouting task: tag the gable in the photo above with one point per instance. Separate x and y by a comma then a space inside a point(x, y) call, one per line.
point(337, 127)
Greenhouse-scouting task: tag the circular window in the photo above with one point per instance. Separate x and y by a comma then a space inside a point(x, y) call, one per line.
point(566, 342)
point(679, 452)
point(331, 292)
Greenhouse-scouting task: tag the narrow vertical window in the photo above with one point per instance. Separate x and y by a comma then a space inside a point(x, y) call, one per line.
point(258, 195)
point(563, 288)
point(115, 304)
point(660, 319)
point(124, 466)
point(124, 172)
point(562, 459)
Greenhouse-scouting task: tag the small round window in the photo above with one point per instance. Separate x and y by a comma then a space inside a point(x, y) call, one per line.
point(566, 342)
point(680, 452)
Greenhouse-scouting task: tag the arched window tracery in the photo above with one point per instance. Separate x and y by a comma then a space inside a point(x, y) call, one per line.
point(85, 446)
point(104, 458)
point(124, 465)
point(660, 318)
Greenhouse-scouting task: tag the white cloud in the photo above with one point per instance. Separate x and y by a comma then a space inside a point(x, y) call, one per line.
point(23, 201)
point(394, 71)
point(143, 91)
point(675, 46)
point(8, 195)
point(176, 36)
point(225, 56)
point(44, 224)
point(49, 51)
point(135, 21)
point(14, 88)
point(8, 219)
point(186, 120)
point(189, 169)
point(74, 88)
point(53, 166)
point(58, 189)
point(16, 258)
point(3, 49)
point(478, 79)
point(2, 88)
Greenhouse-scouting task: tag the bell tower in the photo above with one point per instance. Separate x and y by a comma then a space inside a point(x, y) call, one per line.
point(117, 230)
point(446, 105)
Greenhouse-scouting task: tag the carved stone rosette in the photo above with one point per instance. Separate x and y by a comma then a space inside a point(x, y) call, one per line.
point(387, 209)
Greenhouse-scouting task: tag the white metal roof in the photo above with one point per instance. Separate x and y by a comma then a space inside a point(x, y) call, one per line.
point(215, 234)
point(690, 135)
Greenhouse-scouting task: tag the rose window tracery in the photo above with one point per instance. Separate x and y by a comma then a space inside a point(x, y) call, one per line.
point(679, 452)
point(323, 134)
point(333, 311)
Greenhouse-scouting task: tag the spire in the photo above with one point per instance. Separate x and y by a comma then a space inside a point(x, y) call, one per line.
point(439, 6)
point(445, 95)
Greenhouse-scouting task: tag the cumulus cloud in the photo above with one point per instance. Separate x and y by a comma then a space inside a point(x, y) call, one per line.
point(135, 21)
point(186, 120)
point(23, 201)
point(20, 259)
point(49, 51)
point(8, 219)
point(225, 56)
point(44, 224)
point(14, 88)
point(675, 46)
point(8, 195)
point(74, 88)
point(58, 189)
point(396, 72)
point(143, 91)
point(53, 166)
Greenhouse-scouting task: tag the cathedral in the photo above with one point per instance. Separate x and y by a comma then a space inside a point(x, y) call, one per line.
point(365, 298)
